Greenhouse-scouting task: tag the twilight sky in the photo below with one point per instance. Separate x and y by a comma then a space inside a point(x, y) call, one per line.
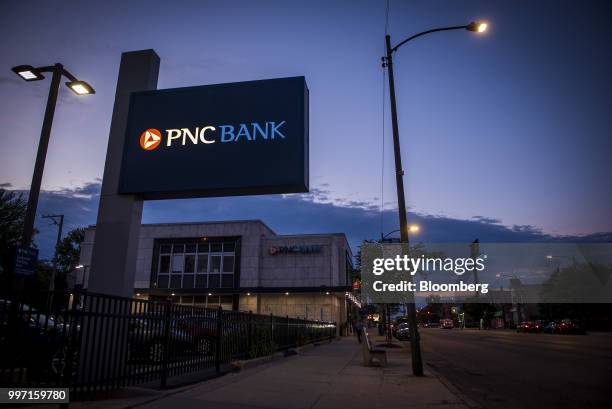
point(513, 126)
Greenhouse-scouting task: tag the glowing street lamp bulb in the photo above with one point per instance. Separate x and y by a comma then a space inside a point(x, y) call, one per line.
point(27, 75)
point(413, 228)
point(549, 257)
point(80, 87)
point(480, 27)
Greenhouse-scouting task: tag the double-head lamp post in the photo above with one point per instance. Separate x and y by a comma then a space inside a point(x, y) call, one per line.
point(415, 347)
point(29, 73)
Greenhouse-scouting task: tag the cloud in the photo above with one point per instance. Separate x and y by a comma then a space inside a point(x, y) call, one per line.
point(291, 214)
point(10, 80)
point(6, 185)
point(484, 219)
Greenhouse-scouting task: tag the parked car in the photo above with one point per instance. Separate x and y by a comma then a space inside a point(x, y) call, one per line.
point(568, 326)
point(447, 323)
point(527, 326)
point(538, 325)
point(396, 323)
point(202, 330)
point(550, 327)
point(147, 340)
point(403, 332)
point(35, 340)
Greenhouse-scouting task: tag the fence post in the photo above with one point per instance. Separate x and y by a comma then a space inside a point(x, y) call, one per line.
point(249, 333)
point(287, 341)
point(218, 335)
point(69, 319)
point(166, 350)
point(271, 327)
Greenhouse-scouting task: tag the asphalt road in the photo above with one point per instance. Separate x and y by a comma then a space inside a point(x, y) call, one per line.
point(504, 369)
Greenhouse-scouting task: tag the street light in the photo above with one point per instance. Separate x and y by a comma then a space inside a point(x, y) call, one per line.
point(80, 87)
point(479, 27)
point(413, 228)
point(30, 73)
point(551, 256)
point(83, 276)
point(417, 361)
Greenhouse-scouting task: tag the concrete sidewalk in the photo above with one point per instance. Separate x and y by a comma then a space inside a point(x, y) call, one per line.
point(326, 376)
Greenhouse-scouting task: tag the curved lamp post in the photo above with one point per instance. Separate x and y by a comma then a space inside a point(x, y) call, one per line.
point(413, 228)
point(417, 362)
point(29, 73)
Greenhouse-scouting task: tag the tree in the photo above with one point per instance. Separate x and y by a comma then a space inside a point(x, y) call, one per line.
point(68, 253)
point(12, 212)
point(476, 309)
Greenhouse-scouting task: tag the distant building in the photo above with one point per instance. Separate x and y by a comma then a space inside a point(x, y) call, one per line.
point(518, 302)
point(240, 265)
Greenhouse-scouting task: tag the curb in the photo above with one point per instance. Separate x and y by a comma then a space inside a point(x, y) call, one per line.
point(462, 397)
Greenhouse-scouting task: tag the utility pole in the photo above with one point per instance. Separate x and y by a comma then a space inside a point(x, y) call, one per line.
point(58, 220)
point(415, 343)
point(29, 74)
point(30, 216)
point(474, 253)
point(481, 27)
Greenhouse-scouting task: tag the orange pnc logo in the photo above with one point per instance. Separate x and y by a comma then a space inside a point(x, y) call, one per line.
point(150, 139)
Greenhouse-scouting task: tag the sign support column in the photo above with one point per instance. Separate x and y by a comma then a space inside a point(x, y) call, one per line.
point(115, 248)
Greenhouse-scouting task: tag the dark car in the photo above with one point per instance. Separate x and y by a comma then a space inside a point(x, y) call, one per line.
point(147, 340)
point(403, 332)
point(37, 341)
point(527, 326)
point(538, 325)
point(550, 328)
point(202, 330)
point(395, 324)
point(568, 326)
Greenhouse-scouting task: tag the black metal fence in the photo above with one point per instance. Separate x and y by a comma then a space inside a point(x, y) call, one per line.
point(93, 342)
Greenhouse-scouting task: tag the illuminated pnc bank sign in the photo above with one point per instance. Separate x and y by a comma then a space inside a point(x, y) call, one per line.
point(217, 140)
point(151, 138)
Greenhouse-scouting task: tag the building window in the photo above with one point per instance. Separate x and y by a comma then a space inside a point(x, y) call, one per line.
point(191, 263)
point(177, 263)
point(211, 301)
point(215, 263)
point(164, 264)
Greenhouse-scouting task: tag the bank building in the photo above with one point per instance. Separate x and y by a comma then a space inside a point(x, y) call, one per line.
point(240, 265)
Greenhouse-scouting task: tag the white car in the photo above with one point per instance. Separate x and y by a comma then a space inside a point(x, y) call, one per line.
point(447, 324)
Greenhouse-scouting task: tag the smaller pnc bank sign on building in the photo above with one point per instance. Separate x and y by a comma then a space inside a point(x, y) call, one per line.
point(242, 138)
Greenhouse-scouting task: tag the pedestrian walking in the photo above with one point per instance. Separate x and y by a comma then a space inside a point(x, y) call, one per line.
point(358, 329)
